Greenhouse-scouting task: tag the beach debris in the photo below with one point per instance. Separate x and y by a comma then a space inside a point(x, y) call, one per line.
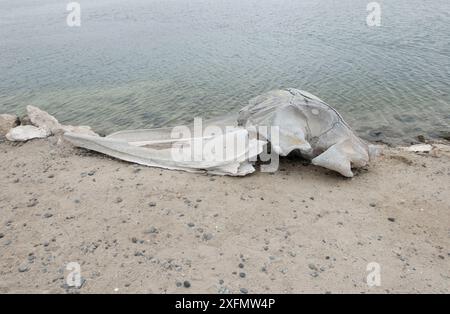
point(155, 148)
point(42, 119)
point(305, 124)
point(48, 122)
point(7, 122)
point(38, 124)
point(24, 133)
point(308, 125)
point(419, 148)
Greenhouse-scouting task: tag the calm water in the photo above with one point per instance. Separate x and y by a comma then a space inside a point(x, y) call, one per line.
point(148, 63)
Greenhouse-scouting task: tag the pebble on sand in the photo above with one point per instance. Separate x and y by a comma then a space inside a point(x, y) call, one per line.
point(186, 284)
point(207, 236)
point(24, 267)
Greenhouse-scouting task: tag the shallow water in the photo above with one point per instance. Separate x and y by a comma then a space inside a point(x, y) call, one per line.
point(146, 63)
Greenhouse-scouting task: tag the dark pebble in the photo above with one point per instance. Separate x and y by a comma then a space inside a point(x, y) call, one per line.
point(243, 290)
point(33, 202)
point(48, 215)
point(242, 275)
point(186, 284)
point(152, 204)
point(207, 236)
point(391, 219)
point(241, 265)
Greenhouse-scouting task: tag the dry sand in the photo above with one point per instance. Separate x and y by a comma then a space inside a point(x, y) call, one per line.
point(135, 229)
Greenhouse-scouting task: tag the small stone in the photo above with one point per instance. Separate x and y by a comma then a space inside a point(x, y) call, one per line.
point(152, 230)
point(91, 173)
point(186, 284)
point(207, 236)
point(152, 204)
point(24, 267)
point(242, 275)
point(221, 282)
point(243, 290)
point(48, 215)
point(178, 284)
point(2, 235)
point(241, 265)
point(312, 267)
point(373, 205)
point(32, 202)
point(421, 138)
point(391, 219)
point(191, 224)
point(119, 200)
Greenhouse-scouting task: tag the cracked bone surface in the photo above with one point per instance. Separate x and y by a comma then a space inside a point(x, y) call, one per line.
point(305, 123)
point(308, 125)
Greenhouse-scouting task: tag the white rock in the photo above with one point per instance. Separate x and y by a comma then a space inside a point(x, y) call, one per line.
point(42, 119)
point(24, 133)
point(45, 121)
point(7, 122)
point(419, 148)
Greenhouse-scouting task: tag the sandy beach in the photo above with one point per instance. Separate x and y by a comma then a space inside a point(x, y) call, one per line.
point(136, 229)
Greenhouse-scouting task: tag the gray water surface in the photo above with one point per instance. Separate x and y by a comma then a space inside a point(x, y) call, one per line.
point(152, 63)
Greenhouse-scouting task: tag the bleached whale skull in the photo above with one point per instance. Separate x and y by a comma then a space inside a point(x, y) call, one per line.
point(310, 126)
point(305, 123)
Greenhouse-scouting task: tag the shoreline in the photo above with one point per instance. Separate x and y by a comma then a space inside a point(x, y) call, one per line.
point(135, 229)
